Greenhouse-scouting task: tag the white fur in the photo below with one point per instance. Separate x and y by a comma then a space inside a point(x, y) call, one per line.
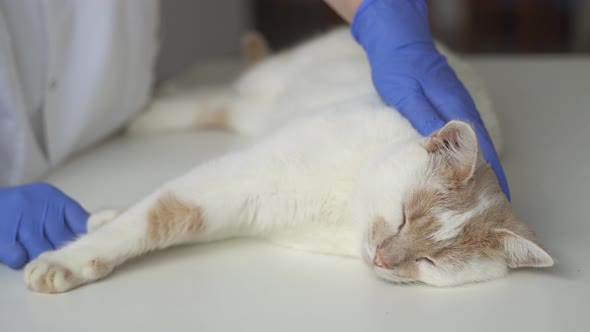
point(453, 222)
point(340, 158)
point(325, 72)
point(474, 270)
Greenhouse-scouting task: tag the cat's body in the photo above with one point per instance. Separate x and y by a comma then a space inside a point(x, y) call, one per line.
point(333, 171)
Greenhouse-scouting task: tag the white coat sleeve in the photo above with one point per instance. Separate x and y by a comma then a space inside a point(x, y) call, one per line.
point(21, 90)
point(97, 71)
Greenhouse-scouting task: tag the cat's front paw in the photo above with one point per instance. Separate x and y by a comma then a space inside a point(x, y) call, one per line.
point(48, 275)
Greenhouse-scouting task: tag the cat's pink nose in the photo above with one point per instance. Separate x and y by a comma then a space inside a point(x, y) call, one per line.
point(378, 260)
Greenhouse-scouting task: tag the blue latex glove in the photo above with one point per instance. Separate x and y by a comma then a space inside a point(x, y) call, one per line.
point(35, 218)
point(411, 75)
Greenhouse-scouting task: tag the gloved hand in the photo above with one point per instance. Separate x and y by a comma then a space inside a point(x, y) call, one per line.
point(35, 218)
point(411, 75)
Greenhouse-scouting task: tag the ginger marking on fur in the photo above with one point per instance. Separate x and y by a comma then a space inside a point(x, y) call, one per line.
point(171, 219)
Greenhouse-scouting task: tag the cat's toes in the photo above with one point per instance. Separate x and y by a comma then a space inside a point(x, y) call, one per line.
point(98, 219)
point(47, 277)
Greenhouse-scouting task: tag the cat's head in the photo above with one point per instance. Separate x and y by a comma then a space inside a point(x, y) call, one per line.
point(435, 214)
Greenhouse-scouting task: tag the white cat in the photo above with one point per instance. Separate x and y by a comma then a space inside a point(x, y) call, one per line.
point(333, 170)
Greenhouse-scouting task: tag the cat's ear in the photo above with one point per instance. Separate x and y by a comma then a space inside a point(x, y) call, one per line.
point(521, 250)
point(455, 148)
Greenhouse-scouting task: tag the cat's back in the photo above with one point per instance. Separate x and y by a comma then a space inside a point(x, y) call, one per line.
point(332, 69)
point(317, 63)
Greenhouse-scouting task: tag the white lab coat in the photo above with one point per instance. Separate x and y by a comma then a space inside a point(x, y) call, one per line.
point(71, 73)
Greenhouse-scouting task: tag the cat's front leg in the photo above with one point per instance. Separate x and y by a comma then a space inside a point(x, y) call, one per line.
point(159, 221)
point(47, 274)
point(224, 198)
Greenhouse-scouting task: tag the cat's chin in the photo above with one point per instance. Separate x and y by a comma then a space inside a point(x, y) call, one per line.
point(389, 275)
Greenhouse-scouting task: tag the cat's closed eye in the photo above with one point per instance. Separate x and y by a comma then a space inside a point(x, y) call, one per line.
point(426, 260)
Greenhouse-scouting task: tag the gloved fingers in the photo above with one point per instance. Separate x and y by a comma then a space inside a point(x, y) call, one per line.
point(490, 155)
point(32, 237)
point(418, 110)
point(36, 247)
point(13, 255)
point(459, 110)
point(56, 229)
point(497, 167)
point(75, 216)
point(452, 101)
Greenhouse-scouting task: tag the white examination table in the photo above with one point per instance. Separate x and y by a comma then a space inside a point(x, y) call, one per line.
point(544, 108)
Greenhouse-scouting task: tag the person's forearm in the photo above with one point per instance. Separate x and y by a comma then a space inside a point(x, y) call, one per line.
point(344, 8)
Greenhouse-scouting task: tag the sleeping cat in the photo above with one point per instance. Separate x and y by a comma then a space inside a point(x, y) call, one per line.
point(332, 170)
